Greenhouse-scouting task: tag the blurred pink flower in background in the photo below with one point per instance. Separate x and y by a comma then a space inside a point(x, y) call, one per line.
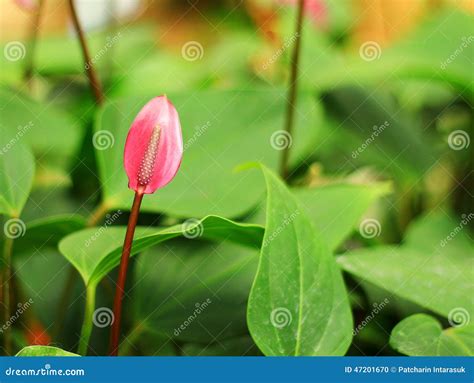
point(27, 5)
point(316, 10)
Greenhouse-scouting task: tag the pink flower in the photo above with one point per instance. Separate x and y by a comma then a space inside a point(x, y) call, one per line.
point(27, 5)
point(154, 146)
point(315, 9)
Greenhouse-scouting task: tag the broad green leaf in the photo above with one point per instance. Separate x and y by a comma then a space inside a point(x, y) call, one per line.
point(52, 133)
point(192, 291)
point(17, 169)
point(439, 282)
point(215, 143)
point(429, 52)
point(335, 210)
point(378, 131)
point(44, 351)
point(95, 252)
point(47, 232)
point(42, 274)
point(440, 230)
point(422, 335)
point(298, 304)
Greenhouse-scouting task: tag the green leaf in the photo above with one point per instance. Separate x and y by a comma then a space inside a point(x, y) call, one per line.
point(42, 275)
point(422, 270)
point(51, 133)
point(422, 335)
point(215, 143)
point(429, 52)
point(298, 304)
point(48, 231)
point(193, 291)
point(379, 132)
point(17, 169)
point(44, 351)
point(440, 230)
point(95, 252)
point(335, 210)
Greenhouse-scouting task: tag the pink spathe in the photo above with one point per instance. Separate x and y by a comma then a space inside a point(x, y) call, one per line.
point(154, 146)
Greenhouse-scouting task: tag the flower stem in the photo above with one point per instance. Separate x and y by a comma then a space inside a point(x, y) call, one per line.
point(292, 89)
point(86, 329)
point(32, 42)
point(127, 247)
point(88, 65)
point(7, 257)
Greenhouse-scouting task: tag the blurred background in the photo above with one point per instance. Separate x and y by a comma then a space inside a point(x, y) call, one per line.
point(391, 82)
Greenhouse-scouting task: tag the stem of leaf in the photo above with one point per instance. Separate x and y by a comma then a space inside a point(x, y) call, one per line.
point(292, 89)
point(88, 65)
point(93, 220)
point(7, 257)
point(32, 42)
point(86, 329)
point(127, 247)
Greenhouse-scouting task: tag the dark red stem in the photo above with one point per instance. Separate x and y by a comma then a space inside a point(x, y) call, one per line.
point(127, 247)
point(88, 65)
point(293, 87)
